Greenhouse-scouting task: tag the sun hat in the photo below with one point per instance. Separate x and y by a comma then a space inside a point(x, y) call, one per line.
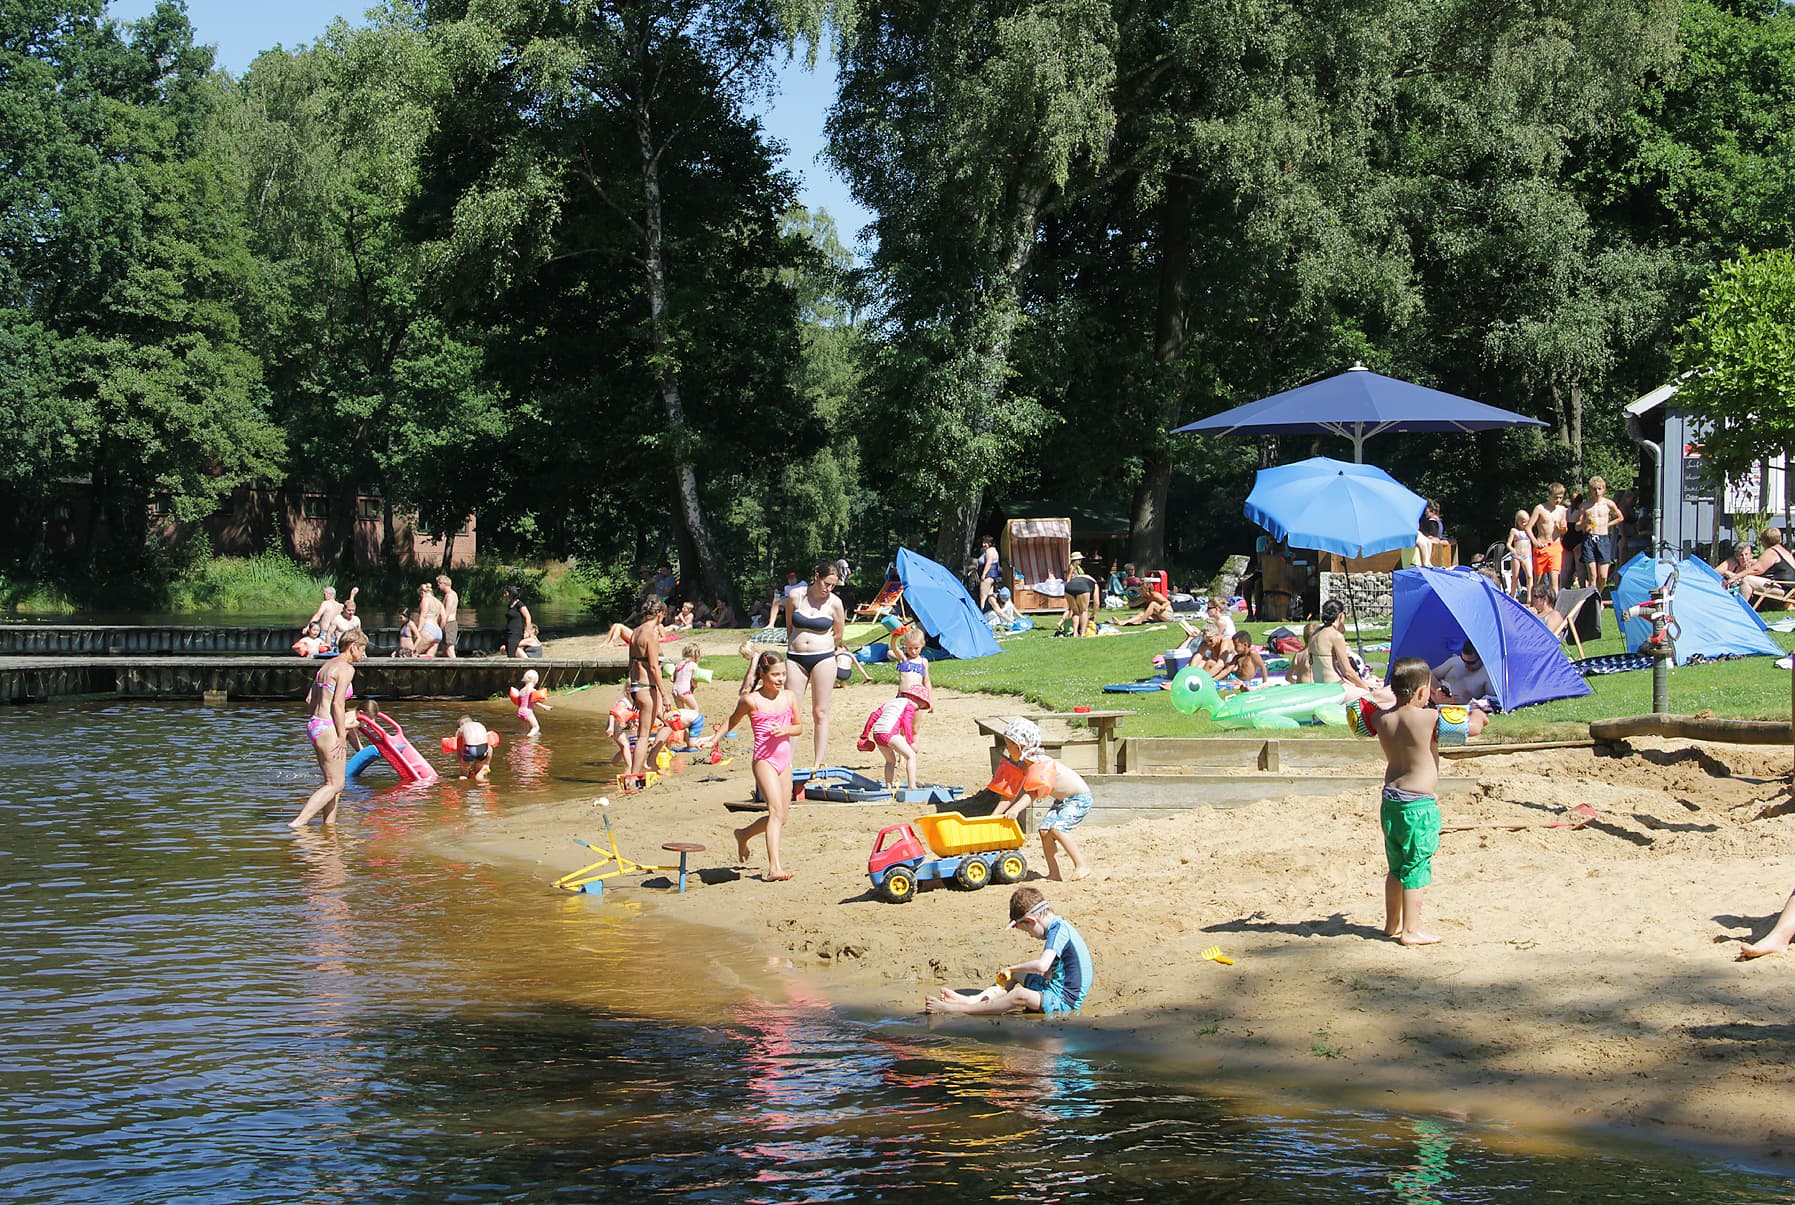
point(1078, 556)
point(1037, 910)
point(1026, 735)
point(920, 695)
point(1003, 592)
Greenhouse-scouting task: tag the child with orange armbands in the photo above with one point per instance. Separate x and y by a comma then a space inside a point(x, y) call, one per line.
point(1053, 782)
point(618, 723)
point(529, 700)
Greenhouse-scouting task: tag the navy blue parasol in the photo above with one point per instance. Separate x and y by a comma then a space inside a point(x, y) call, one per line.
point(1358, 404)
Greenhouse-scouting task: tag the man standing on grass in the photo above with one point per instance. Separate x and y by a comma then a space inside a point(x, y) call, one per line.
point(1546, 526)
point(1600, 514)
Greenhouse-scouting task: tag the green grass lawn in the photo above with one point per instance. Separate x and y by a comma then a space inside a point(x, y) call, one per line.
point(1056, 675)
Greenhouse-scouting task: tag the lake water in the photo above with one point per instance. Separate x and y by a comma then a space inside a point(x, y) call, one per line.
point(200, 1005)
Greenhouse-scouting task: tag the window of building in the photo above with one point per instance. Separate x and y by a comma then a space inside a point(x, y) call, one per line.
point(316, 506)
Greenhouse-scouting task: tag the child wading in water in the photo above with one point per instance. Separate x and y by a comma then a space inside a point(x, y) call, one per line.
point(473, 749)
point(1054, 783)
point(1408, 730)
point(527, 702)
point(1056, 982)
point(772, 710)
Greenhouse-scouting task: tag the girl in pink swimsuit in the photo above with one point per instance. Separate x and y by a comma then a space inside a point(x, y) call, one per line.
point(328, 697)
point(772, 710)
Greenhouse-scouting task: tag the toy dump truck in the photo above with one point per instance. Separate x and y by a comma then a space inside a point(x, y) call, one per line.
point(969, 851)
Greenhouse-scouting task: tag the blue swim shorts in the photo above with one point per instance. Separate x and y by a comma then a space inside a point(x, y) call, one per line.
point(1052, 1000)
point(1066, 813)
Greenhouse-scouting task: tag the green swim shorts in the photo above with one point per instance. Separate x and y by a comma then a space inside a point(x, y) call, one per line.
point(1411, 836)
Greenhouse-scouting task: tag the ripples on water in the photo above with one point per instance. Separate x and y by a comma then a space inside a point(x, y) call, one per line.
point(200, 1006)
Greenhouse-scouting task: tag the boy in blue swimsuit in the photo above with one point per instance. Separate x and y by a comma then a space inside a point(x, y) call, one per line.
point(1056, 982)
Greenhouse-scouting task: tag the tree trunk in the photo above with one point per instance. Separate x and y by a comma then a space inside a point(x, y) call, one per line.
point(691, 527)
point(389, 538)
point(1576, 430)
point(1561, 426)
point(953, 544)
point(1147, 524)
point(337, 549)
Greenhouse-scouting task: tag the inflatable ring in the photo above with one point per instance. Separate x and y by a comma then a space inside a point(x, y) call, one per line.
point(1186, 688)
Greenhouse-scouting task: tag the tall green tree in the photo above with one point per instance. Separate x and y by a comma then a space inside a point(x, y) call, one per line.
point(963, 124)
point(374, 384)
point(601, 153)
point(1740, 347)
point(121, 262)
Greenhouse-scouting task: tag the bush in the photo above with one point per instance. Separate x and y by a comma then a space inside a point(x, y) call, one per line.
point(268, 581)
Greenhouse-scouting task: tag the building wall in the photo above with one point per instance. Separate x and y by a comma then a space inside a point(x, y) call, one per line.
point(297, 520)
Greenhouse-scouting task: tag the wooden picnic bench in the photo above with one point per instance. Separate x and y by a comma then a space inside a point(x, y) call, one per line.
point(1102, 734)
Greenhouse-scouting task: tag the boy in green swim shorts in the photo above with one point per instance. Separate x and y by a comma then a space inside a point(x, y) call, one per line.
point(1407, 729)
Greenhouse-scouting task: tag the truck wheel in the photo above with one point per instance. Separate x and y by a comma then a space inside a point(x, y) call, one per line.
point(973, 874)
point(898, 887)
point(1011, 868)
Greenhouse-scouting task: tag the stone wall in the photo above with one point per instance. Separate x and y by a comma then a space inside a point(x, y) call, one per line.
point(1370, 593)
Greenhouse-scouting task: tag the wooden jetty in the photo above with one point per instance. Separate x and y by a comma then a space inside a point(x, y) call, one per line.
point(41, 679)
point(102, 640)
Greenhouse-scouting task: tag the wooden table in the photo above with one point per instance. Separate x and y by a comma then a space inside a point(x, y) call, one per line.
point(1102, 724)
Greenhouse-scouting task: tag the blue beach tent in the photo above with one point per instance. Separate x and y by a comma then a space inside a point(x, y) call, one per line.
point(943, 607)
point(1437, 610)
point(1713, 621)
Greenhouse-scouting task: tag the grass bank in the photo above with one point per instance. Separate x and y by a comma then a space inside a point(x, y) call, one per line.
point(272, 583)
point(1057, 675)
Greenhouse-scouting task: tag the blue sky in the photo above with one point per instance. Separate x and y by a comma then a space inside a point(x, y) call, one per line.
point(242, 29)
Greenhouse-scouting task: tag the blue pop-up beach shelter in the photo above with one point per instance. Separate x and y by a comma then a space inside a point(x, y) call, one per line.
point(1437, 610)
point(1713, 622)
point(943, 607)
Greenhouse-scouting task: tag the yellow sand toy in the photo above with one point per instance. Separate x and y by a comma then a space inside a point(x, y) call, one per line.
point(1214, 954)
point(583, 879)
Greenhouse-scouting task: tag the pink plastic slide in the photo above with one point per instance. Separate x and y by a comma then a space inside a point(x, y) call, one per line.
point(397, 749)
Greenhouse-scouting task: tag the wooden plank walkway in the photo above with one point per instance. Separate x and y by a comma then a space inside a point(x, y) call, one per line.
point(99, 640)
point(41, 679)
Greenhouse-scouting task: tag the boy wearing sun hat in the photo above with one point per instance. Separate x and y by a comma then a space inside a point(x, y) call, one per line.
point(1055, 983)
point(1063, 790)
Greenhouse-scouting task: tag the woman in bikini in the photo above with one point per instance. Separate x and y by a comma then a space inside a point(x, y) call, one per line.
point(328, 697)
point(772, 711)
point(814, 621)
point(645, 688)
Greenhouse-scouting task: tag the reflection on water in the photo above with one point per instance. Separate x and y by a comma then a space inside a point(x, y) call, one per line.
point(202, 1006)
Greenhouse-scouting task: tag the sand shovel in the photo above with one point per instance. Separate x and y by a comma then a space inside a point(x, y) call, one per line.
point(1576, 818)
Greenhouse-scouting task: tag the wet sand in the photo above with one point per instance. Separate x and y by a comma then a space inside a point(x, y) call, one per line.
point(1586, 977)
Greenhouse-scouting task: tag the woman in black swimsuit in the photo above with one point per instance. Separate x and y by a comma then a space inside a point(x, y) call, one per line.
point(1775, 567)
point(517, 620)
point(1080, 586)
point(814, 620)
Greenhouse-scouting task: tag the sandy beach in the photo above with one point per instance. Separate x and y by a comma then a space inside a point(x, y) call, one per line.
point(1586, 976)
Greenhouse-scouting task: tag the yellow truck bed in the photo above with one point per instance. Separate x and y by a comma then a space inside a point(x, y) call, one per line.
point(950, 834)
